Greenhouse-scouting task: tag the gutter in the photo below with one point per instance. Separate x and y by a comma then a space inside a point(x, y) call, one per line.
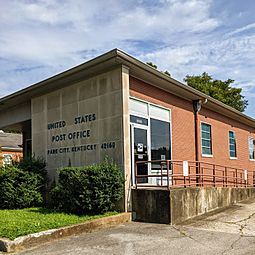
point(199, 95)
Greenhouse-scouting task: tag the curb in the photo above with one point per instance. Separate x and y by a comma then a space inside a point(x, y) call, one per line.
point(31, 240)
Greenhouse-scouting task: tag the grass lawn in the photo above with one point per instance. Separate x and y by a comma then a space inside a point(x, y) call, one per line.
point(14, 223)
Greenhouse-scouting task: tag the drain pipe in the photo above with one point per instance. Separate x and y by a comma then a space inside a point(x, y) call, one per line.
point(197, 104)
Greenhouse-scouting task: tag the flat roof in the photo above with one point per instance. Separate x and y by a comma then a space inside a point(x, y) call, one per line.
point(138, 69)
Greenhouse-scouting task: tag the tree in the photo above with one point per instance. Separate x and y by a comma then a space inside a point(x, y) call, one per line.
point(220, 90)
point(167, 73)
point(156, 67)
point(152, 65)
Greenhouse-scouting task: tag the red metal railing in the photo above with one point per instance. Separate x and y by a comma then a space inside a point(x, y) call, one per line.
point(169, 173)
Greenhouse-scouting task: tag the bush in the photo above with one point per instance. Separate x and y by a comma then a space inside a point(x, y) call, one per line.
point(88, 190)
point(37, 166)
point(23, 184)
point(19, 188)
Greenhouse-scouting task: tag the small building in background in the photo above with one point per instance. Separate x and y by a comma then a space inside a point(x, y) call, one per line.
point(10, 148)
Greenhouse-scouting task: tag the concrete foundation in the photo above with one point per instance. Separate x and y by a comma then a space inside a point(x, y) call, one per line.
point(181, 204)
point(151, 205)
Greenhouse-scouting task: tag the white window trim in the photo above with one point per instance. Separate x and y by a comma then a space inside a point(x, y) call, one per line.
point(202, 154)
point(207, 155)
point(149, 103)
point(149, 122)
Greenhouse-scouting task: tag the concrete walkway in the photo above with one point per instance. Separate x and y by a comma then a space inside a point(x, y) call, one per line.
point(229, 232)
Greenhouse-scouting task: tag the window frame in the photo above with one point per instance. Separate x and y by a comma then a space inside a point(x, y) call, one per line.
point(148, 116)
point(201, 138)
point(229, 151)
point(251, 138)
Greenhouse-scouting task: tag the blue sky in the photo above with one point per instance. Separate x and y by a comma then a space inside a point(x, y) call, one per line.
point(41, 38)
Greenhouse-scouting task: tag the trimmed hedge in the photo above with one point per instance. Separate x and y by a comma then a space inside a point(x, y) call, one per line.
point(23, 184)
point(88, 190)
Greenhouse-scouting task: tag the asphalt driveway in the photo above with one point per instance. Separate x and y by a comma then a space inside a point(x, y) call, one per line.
point(228, 232)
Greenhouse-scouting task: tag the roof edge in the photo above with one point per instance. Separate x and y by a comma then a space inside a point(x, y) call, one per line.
point(90, 63)
point(198, 93)
point(124, 58)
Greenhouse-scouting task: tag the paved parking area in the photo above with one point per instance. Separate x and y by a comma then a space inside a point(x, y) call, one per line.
point(229, 232)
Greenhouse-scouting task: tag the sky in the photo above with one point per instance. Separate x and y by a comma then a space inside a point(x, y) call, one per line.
point(40, 38)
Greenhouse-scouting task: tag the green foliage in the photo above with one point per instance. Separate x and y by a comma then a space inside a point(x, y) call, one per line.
point(18, 188)
point(14, 223)
point(220, 90)
point(156, 67)
point(36, 166)
point(23, 184)
point(152, 65)
point(88, 190)
point(167, 73)
point(32, 164)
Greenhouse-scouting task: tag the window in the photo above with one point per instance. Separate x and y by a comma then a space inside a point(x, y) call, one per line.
point(157, 119)
point(7, 159)
point(251, 148)
point(206, 139)
point(160, 140)
point(138, 107)
point(232, 144)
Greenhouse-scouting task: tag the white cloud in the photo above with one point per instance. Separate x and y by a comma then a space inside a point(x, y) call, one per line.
point(60, 34)
point(181, 36)
point(46, 30)
point(223, 59)
point(226, 58)
point(241, 29)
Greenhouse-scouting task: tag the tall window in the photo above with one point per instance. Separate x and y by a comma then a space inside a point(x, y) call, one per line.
point(232, 144)
point(160, 140)
point(206, 139)
point(251, 148)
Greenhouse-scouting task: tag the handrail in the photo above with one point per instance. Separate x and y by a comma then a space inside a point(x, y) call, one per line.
point(170, 174)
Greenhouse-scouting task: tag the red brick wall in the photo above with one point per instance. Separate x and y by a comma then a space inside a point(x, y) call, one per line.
point(183, 145)
point(16, 156)
point(220, 145)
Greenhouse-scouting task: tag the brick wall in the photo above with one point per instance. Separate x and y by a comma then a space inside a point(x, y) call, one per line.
point(16, 156)
point(221, 125)
point(183, 140)
point(183, 147)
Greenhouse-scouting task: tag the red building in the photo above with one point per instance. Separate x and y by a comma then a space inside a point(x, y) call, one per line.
point(159, 130)
point(10, 148)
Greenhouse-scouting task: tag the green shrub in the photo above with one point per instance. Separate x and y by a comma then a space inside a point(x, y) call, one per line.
point(19, 188)
point(88, 190)
point(37, 166)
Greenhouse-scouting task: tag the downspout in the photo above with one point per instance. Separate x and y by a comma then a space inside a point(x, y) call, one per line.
point(197, 104)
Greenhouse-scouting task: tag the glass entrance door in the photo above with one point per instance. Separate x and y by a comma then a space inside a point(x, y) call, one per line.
point(150, 141)
point(140, 151)
point(160, 150)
